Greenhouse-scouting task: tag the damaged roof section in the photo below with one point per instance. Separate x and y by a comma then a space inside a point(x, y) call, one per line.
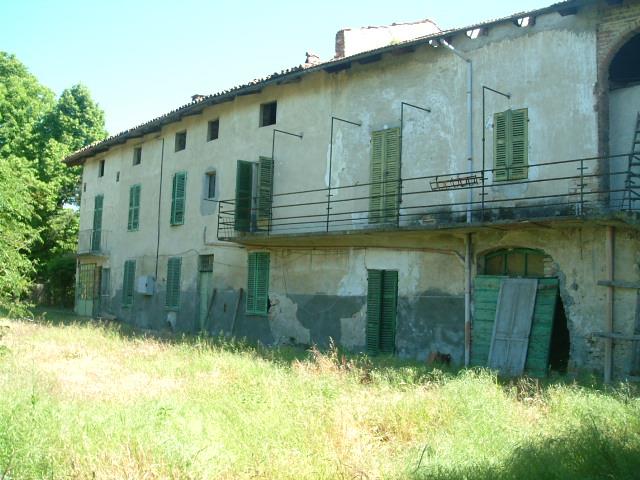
point(401, 37)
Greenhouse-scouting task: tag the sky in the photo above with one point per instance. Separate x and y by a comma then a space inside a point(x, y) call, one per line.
point(141, 59)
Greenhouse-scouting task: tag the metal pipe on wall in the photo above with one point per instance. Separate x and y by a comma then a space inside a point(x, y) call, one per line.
point(467, 299)
point(159, 205)
point(608, 341)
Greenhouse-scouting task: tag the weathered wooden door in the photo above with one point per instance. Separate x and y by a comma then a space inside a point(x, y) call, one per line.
point(512, 326)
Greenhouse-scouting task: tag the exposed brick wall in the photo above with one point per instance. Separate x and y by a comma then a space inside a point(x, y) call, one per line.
point(617, 24)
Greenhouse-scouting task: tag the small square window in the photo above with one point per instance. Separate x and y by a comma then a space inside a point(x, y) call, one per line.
point(101, 169)
point(137, 155)
point(212, 130)
point(181, 141)
point(211, 185)
point(268, 114)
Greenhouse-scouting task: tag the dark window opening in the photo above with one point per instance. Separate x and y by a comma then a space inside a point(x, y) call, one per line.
point(181, 141)
point(268, 114)
point(625, 66)
point(213, 128)
point(211, 185)
point(515, 262)
point(84, 187)
point(137, 155)
point(101, 169)
point(205, 263)
point(117, 177)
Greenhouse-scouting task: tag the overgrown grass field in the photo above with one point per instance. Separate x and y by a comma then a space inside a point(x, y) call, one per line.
point(82, 400)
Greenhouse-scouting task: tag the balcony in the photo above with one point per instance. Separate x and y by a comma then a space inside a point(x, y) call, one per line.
point(93, 242)
point(585, 188)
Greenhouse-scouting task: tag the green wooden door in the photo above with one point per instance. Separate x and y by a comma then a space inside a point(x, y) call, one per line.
point(382, 301)
point(86, 290)
point(486, 290)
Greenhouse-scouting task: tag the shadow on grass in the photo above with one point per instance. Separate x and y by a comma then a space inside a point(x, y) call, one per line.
point(587, 452)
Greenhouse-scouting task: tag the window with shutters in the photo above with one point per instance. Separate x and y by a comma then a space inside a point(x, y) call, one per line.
point(128, 280)
point(178, 195)
point(265, 191)
point(96, 233)
point(384, 188)
point(382, 300)
point(258, 283)
point(172, 299)
point(244, 196)
point(133, 222)
point(510, 145)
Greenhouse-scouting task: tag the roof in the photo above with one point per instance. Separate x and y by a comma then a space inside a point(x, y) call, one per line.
point(285, 76)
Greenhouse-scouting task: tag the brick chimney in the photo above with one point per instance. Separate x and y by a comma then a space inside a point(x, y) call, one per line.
point(350, 41)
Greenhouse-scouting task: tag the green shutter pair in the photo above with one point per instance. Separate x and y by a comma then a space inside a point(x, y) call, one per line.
point(510, 145)
point(384, 189)
point(172, 298)
point(134, 208)
point(382, 301)
point(258, 283)
point(244, 194)
point(96, 234)
point(178, 195)
point(128, 281)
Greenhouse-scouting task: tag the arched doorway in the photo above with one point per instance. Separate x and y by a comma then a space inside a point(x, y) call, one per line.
point(547, 346)
point(624, 121)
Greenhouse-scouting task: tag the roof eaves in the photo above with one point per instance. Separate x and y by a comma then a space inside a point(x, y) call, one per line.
point(334, 65)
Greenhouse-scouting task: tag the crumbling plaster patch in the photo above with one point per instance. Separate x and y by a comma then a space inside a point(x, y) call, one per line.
point(283, 321)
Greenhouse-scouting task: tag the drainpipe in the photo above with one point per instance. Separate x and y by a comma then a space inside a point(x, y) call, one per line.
point(159, 205)
point(467, 299)
point(469, 120)
point(467, 256)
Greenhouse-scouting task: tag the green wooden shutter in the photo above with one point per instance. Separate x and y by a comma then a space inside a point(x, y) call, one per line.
point(244, 190)
point(96, 234)
point(510, 145)
point(178, 194)
point(485, 300)
point(500, 147)
point(258, 283)
point(540, 338)
point(374, 311)
point(128, 281)
point(391, 174)
point(265, 188)
point(519, 144)
point(172, 298)
point(134, 208)
point(376, 177)
point(384, 189)
point(388, 312)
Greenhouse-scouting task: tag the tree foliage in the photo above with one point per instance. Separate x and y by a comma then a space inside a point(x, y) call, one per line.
point(39, 194)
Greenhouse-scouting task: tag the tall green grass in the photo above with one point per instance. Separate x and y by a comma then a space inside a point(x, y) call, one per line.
point(84, 400)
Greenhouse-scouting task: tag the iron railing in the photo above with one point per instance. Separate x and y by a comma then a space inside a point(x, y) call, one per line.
point(567, 188)
point(93, 242)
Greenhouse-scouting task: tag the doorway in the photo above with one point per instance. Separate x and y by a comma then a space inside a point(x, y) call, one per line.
point(205, 292)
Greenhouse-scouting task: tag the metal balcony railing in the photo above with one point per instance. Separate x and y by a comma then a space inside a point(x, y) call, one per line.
point(93, 242)
point(551, 190)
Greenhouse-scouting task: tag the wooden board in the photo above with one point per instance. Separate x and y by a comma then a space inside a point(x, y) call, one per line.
point(512, 325)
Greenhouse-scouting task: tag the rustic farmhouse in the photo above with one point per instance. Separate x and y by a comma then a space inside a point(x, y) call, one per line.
point(473, 192)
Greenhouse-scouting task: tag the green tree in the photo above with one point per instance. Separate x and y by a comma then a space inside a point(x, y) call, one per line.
point(17, 210)
point(39, 224)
